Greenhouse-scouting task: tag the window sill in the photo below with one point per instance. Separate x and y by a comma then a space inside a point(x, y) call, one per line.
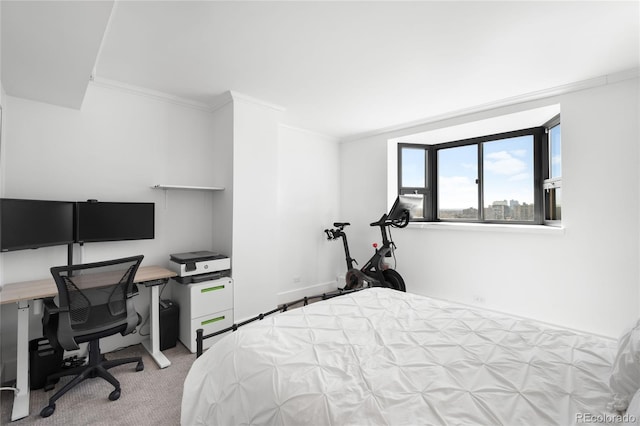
point(489, 227)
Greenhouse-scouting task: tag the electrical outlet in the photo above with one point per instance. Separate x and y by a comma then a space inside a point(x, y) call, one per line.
point(479, 300)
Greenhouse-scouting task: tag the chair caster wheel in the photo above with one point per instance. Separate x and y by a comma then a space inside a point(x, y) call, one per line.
point(140, 366)
point(48, 410)
point(114, 395)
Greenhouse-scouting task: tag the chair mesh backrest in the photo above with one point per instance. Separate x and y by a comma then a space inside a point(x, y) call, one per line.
point(96, 293)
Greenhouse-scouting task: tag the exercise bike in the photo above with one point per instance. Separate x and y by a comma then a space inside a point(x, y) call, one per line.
point(375, 273)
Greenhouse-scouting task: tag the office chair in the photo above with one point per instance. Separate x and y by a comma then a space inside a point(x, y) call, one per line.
point(95, 301)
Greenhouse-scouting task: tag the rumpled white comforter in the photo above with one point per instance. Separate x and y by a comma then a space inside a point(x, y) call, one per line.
point(390, 358)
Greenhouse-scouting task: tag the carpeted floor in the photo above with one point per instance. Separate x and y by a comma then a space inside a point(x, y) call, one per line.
point(149, 397)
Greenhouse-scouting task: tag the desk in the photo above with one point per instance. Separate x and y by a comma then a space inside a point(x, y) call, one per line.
point(24, 292)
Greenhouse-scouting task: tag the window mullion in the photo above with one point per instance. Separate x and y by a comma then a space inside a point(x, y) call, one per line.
point(480, 184)
point(541, 169)
point(431, 204)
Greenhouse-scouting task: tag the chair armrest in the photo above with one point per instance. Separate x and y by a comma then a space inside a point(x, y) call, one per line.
point(50, 308)
point(133, 292)
point(50, 305)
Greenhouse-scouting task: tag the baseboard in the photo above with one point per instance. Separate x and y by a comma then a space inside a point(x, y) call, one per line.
point(297, 294)
point(300, 293)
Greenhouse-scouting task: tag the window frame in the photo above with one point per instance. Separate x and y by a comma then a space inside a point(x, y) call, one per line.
point(540, 169)
point(549, 183)
point(429, 191)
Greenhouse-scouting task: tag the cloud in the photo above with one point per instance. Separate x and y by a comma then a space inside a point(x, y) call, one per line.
point(469, 166)
point(504, 163)
point(519, 176)
point(457, 192)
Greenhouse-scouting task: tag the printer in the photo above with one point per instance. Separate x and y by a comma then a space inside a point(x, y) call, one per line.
point(199, 266)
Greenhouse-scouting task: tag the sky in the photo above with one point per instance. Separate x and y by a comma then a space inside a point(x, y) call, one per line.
point(556, 157)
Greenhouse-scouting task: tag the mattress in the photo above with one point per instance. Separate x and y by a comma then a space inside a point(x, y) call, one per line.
point(385, 357)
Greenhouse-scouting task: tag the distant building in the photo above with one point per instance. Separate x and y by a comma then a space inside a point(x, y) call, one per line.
point(511, 210)
point(470, 213)
point(524, 212)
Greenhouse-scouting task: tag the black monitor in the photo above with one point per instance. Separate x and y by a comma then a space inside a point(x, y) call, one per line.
point(30, 224)
point(404, 203)
point(109, 221)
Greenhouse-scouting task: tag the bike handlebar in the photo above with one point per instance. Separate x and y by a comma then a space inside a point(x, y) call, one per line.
point(396, 223)
point(332, 234)
point(381, 222)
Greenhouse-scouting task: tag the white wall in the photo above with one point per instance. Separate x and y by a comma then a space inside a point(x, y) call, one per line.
point(283, 189)
point(585, 278)
point(308, 203)
point(114, 149)
point(255, 186)
point(221, 166)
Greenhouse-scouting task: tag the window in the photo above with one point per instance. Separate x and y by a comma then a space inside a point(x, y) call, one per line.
point(413, 177)
point(458, 182)
point(553, 176)
point(511, 177)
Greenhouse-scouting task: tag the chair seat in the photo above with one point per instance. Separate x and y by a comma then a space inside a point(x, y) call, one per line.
point(99, 321)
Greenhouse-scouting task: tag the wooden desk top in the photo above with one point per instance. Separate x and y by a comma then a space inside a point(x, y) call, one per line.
point(40, 289)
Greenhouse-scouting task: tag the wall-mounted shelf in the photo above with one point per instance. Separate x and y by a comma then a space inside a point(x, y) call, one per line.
point(195, 188)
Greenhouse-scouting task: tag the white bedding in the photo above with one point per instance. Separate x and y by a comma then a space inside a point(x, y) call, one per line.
point(380, 356)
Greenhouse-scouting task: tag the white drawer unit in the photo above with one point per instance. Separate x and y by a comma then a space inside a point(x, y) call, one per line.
point(207, 305)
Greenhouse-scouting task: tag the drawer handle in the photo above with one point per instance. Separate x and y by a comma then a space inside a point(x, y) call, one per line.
point(219, 287)
point(212, 320)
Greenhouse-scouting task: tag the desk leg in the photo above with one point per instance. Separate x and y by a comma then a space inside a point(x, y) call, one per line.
point(21, 398)
point(153, 344)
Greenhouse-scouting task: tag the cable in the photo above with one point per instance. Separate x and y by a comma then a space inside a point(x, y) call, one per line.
point(15, 390)
point(146, 319)
point(393, 250)
point(162, 289)
point(143, 324)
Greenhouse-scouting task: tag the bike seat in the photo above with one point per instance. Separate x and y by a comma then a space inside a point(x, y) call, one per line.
point(341, 224)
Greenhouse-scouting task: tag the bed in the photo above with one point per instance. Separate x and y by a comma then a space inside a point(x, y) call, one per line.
point(381, 356)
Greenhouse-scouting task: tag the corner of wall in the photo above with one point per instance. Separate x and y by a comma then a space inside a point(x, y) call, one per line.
point(2, 139)
point(2, 163)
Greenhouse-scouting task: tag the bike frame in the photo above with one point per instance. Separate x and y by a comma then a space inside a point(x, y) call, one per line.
point(372, 270)
point(374, 266)
point(339, 233)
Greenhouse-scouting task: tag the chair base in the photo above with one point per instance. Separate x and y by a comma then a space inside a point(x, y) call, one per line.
point(97, 367)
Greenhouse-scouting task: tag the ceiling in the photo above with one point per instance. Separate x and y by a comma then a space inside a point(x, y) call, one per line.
point(339, 68)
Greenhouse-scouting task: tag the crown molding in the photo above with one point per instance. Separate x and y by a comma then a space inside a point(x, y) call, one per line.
point(310, 132)
point(231, 96)
point(216, 103)
point(236, 96)
point(220, 101)
point(506, 102)
point(149, 93)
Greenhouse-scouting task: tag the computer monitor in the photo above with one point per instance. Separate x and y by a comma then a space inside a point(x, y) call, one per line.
point(30, 224)
point(404, 203)
point(114, 221)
